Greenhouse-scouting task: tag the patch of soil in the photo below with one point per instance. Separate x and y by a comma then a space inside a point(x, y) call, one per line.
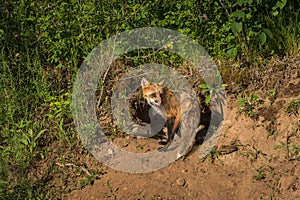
point(253, 159)
point(64, 169)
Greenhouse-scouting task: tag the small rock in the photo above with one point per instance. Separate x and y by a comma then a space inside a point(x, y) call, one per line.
point(287, 181)
point(180, 181)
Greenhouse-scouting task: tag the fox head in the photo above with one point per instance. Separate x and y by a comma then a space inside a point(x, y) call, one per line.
point(152, 92)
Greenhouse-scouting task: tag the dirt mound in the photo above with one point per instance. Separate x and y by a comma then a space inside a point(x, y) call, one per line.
point(257, 155)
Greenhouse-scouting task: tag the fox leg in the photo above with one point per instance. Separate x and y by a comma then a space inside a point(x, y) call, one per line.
point(170, 125)
point(170, 132)
point(176, 124)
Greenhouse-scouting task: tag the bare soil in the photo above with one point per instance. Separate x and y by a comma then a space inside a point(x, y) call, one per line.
point(257, 155)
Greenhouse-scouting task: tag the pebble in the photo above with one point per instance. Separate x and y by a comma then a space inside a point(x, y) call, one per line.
point(180, 181)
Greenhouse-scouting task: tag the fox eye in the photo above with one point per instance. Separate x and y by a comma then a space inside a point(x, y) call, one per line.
point(152, 95)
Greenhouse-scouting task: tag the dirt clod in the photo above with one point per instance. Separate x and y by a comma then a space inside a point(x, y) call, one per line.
point(180, 181)
point(287, 181)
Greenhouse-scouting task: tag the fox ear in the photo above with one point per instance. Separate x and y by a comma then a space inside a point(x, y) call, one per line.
point(145, 83)
point(161, 82)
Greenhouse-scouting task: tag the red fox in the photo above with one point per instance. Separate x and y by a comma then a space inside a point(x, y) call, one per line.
point(163, 101)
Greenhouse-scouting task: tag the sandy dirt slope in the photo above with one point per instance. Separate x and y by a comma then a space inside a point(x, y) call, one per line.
point(262, 161)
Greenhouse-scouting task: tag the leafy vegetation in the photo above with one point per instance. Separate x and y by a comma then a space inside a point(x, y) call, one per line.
point(248, 105)
point(293, 107)
point(211, 156)
point(291, 145)
point(44, 43)
point(212, 90)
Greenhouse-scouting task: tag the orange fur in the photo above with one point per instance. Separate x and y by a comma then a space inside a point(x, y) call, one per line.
point(165, 103)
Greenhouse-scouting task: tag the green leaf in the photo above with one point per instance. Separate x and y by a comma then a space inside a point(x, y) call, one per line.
point(281, 4)
point(108, 184)
point(236, 27)
point(268, 32)
point(232, 52)
point(250, 2)
point(203, 86)
point(239, 2)
point(24, 141)
point(208, 98)
point(39, 134)
point(275, 13)
point(262, 37)
point(239, 14)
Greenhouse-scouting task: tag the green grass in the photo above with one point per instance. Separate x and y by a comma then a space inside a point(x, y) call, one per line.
point(211, 156)
point(249, 104)
point(293, 107)
point(260, 174)
point(287, 33)
point(43, 44)
point(291, 145)
point(23, 93)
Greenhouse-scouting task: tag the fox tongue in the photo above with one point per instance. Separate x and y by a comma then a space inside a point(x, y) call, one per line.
point(158, 103)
